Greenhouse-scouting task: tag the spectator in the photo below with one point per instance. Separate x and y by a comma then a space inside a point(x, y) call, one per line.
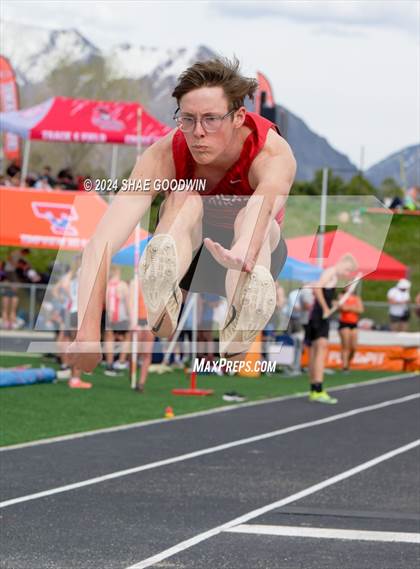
point(317, 330)
point(13, 175)
point(298, 310)
point(70, 283)
point(10, 298)
point(118, 315)
point(145, 338)
point(207, 304)
point(46, 175)
point(65, 180)
point(350, 313)
point(398, 301)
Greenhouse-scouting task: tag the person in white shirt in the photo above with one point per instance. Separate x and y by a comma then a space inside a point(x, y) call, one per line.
point(399, 310)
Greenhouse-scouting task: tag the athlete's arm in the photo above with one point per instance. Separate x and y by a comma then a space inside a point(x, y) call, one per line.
point(120, 219)
point(272, 174)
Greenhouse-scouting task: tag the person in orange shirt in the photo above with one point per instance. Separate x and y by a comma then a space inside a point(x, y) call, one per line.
point(350, 313)
point(145, 337)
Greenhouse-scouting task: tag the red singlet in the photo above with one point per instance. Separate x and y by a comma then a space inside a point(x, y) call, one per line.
point(233, 188)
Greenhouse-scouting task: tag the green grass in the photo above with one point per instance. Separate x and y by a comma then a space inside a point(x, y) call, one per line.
point(46, 410)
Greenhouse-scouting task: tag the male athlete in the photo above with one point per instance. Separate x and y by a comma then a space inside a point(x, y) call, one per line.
point(223, 240)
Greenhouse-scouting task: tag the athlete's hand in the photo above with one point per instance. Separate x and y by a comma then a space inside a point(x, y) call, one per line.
point(326, 313)
point(236, 258)
point(85, 355)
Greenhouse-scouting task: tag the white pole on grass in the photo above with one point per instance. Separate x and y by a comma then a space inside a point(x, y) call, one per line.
point(185, 313)
point(136, 268)
point(194, 330)
point(322, 217)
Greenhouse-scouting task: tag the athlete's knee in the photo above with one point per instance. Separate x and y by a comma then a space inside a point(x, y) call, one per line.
point(187, 204)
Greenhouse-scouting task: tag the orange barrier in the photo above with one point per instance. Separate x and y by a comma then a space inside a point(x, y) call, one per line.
point(382, 358)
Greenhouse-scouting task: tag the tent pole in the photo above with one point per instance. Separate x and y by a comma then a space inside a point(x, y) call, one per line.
point(25, 165)
point(134, 344)
point(114, 162)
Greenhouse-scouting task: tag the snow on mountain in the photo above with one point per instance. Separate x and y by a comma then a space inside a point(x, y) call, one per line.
point(43, 50)
point(403, 166)
point(34, 52)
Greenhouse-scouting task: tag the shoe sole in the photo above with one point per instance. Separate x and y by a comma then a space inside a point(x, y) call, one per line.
point(257, 301)
point(159, 282)
point(323, 402)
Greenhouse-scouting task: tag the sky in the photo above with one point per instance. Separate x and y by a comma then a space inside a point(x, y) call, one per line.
point(349, 69)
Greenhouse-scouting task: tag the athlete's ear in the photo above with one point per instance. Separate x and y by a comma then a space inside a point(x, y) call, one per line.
point(239, 117)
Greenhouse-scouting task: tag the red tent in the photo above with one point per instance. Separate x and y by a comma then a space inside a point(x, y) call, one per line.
point(63, 119)
point(373, 263)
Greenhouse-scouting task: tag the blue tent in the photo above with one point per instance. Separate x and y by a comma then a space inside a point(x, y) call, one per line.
point(299, 271)
point(126, 256)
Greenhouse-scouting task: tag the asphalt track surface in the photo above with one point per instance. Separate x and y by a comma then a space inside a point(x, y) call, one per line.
point(253, 487)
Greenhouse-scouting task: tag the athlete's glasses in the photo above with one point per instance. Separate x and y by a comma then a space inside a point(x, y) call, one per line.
point(210, 123)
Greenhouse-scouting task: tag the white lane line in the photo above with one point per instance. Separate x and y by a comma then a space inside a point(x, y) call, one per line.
point(208, 450)
point(327, 533)
point(183, 545)
point(70, 437)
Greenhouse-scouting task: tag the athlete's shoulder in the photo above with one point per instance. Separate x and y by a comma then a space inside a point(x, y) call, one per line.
point(276, 145)
point(275, 159)
point(158, 157)
point(164, 145)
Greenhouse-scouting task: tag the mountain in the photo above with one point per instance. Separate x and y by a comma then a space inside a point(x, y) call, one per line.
point(312, 151)
point(64, 62)
point(403, 166)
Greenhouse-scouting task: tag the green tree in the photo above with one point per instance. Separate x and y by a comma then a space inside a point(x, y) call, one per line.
point(359, 185)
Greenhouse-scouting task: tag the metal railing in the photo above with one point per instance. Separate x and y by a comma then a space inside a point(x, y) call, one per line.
point(31, 297)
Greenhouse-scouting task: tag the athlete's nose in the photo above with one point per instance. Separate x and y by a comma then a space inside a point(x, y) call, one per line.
point(198, 131)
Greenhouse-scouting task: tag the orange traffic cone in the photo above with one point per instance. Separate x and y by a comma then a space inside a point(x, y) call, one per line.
point(169, 413)
point(251, 359)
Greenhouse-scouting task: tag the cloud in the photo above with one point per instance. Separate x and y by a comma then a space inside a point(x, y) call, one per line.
point(403, 15)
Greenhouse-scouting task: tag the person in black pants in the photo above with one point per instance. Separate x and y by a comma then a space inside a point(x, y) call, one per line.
point(318, 326)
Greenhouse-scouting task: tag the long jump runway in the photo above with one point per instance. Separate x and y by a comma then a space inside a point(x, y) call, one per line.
point(276, 485)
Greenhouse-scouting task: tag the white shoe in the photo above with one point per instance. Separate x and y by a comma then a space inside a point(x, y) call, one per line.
point(159, 282)
point(120, 366)
point(251, 309)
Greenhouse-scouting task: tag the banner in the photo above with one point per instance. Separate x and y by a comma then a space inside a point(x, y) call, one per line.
point(382, 358)
point(9, 101)
point(264, 95)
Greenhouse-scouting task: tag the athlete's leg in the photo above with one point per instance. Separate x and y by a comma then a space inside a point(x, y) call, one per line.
point(5, 303)
point(180, 217)
point(345, 335)
point(109, 351)
point(320, 348)
point(242, 232)
point(167, 258)
point(353, 344)
point(251, 296)
point(145, 339)
point(317, 393)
